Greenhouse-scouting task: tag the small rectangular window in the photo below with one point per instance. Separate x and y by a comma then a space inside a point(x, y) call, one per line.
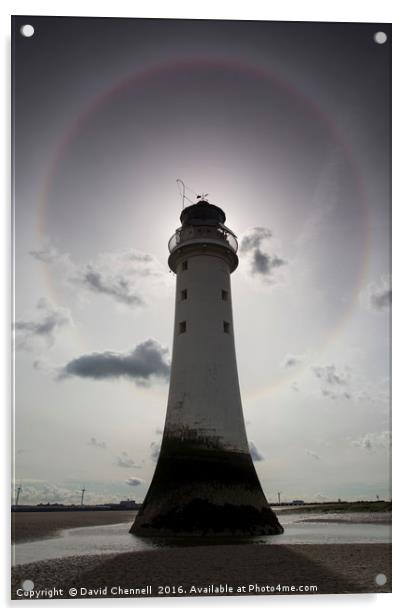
point(183, 294)
point(182, 327)
point(184, 265)
point(226, 327)
point(225, 295)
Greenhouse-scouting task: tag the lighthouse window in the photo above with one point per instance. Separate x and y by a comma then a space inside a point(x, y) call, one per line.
point(225, 295)
point(184, 265)
point(182, 327)
point(183, 294)
point(226, 327)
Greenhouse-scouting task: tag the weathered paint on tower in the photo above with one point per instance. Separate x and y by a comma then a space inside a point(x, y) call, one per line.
point(205, 481)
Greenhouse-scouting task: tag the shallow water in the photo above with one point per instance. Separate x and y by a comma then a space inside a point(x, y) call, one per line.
point(298, 528)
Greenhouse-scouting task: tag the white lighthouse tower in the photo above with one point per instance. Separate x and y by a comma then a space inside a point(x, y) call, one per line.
point(205, 482)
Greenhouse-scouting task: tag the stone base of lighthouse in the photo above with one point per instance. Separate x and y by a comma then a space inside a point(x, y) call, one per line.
point(204, 491)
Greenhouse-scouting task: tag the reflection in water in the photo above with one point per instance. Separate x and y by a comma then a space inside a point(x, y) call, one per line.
point(298, 528)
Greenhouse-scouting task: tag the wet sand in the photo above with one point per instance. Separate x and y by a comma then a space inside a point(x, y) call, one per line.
point(31, 526)
point(332, 568)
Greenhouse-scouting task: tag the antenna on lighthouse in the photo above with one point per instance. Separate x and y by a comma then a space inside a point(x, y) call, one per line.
point(182, 192)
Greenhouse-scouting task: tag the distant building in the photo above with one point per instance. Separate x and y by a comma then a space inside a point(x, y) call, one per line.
point(128, 504)
point(297, 501)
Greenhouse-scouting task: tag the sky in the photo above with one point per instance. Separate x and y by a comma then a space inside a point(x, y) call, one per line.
point(287, 127)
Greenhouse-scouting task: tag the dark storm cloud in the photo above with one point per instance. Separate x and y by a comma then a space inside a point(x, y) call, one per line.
point(134, 481)
point(124, 461)
point(44, 327)
point(255, 453)
point(147, 360)
point(94, 443)
point(119, 287)
point(261, 261)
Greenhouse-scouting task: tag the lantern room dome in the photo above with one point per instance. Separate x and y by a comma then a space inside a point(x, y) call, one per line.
point(202, 213)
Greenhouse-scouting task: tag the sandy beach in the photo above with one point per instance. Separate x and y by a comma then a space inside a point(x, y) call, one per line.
point(32, 526)
point(197, 569)
point(330, 568)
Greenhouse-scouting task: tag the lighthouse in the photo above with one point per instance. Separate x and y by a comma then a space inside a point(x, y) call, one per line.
point(205, 483)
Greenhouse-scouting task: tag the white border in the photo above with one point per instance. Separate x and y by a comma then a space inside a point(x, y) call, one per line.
point(292, 10)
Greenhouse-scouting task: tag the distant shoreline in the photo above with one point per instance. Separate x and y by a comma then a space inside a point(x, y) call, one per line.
point(328, 507)
point(338, 507)
point(36, 525)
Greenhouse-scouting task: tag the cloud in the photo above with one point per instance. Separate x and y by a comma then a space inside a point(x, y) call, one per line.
point(312, 454)
point(336, 395)
point(377, 297)
point(94, 443)
point(45, 366)
point(262, 262)
point(118, 287)
point(134, 481)
point(120, 274)
point(334, 384)
point(155, 450)
point(255, 453)
point(116, 274)
point(329, 375)
point(253, 239)
point(380, 294)
point(35, 491)
point(382, 299)
point(147, 360)
point(49, 254)
point(124, 461)
point(291, 361)
point(43, 328)
point(374, 440)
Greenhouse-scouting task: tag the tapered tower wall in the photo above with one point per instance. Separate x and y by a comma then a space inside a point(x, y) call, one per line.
point(205, 481)
point(204, 393)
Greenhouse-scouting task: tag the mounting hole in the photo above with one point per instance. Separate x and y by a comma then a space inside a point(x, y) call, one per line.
point(381, 579)
point(27, 30)
point(380, 37)
point(28, 585)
